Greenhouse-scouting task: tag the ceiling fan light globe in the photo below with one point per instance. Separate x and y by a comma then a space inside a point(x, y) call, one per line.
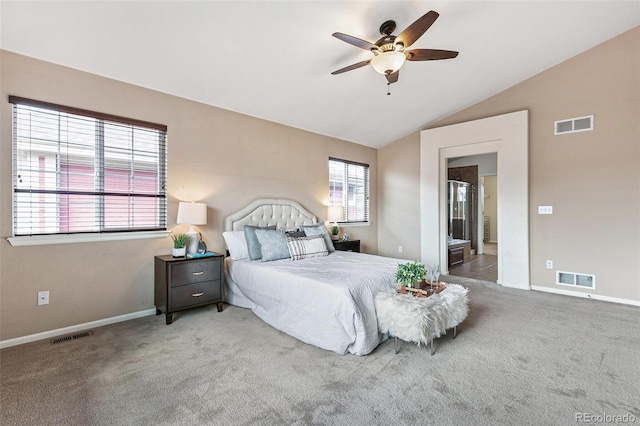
point(388, 62)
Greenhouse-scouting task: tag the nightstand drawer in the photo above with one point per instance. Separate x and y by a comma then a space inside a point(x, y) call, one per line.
point(195, 294)
point(194, 271)
point(349, 245)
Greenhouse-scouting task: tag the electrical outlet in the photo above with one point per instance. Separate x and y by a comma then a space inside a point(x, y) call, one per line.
point(400, 249)
point(549, 264)
point(545, 209)
point(43, 298)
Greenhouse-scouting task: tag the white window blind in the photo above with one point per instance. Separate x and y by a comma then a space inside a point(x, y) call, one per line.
point(349, 188)
point(77, 171)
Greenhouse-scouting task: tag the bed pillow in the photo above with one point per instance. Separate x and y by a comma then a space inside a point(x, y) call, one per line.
point(253, 245)
point(304, 247)
point(236, 244)
point(273, 244)
point(319, 229)
point(295, 232)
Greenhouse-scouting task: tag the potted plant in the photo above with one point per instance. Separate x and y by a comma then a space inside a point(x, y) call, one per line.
point(180, 242)
point(411, 274)
point(335, 230)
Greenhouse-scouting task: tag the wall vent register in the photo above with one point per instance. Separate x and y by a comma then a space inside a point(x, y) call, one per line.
point(576, 279)
point(573, 125)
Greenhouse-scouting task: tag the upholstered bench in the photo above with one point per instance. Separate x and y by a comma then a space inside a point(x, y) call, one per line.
point(420, 320)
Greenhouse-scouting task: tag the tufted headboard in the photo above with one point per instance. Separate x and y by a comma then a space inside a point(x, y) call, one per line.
point(286, 214)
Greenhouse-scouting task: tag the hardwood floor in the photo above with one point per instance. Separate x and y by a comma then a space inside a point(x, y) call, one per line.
point(480, 266)
point(490, 248)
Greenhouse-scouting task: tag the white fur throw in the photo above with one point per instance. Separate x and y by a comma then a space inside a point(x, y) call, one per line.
point(417, 320)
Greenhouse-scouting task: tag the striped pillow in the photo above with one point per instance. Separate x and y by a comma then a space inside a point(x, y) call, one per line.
point(303, 247)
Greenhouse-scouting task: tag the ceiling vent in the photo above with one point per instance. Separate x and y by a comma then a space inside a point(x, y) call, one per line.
point(573, 125)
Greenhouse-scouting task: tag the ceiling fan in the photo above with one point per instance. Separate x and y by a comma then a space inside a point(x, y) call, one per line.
point(389, 53)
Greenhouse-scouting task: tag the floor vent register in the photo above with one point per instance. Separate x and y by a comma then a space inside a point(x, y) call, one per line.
point(71, 337)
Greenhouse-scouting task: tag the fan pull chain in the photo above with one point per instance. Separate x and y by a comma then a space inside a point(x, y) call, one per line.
point(388, 89)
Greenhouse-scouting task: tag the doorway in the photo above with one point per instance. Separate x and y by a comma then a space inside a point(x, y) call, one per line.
point(474, 177)
point(507, 135)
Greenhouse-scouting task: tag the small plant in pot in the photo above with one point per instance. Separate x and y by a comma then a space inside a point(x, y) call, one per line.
point(180, 242)
point(335, 230)
point(411, 274)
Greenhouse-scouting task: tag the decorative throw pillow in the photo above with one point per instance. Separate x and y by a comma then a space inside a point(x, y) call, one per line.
point(253, 245)
point(319, 229)
point(304, 247)
point(273, 244)
point(295, 232)
point(236, 244)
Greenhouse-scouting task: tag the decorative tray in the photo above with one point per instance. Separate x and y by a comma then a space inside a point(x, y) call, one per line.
point(425, 289)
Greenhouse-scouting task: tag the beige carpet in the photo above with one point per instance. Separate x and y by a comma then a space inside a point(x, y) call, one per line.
point(521, 358)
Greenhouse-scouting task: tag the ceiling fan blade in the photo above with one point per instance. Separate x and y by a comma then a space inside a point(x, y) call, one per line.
point(351, 67)
point(393, 77)
point(429, 54)
point(362, 44)
point(414, 31)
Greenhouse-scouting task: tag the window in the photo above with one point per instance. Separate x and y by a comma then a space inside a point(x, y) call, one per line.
point(77, 171)
point(349, 188)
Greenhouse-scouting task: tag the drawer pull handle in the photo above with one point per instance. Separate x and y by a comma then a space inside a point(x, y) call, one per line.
point(198, 273)
point(197, 294)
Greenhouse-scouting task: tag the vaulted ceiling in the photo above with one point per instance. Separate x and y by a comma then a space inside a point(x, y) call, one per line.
point(273, 59)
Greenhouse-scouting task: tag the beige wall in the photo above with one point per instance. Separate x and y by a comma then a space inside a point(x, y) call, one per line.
point(219, 157)
point(592, 179)
point(399, 187)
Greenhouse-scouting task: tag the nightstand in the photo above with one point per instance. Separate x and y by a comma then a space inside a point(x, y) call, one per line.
point(349, 245)
point(182, 283)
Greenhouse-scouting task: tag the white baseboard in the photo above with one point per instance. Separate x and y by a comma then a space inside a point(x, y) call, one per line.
point(517, 286)
point(71, 329)
point(586, 295)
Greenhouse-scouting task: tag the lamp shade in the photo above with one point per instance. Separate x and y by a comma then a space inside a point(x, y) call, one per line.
point(335, 213)
point(388, 62)
point(192, 213)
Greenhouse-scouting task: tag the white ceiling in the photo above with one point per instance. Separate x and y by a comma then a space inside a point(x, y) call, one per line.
point(273, 59)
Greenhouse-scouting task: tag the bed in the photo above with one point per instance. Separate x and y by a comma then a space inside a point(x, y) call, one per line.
point(325, 301)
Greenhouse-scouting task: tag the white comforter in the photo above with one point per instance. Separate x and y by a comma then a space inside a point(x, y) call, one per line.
point(324, 301)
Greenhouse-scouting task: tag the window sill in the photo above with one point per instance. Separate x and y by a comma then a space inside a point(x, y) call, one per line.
point(39, 240)
point(353, 224)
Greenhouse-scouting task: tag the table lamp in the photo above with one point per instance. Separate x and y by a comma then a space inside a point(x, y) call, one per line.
point(192, 214)
point(335, 214)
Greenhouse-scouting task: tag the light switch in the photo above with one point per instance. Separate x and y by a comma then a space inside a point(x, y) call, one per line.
point(545, 209)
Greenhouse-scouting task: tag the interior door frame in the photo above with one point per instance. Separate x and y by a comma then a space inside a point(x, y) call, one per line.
point(507, 135)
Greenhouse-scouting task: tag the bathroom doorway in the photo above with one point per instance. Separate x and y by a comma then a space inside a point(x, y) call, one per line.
point(472, 210)
point(508, 136)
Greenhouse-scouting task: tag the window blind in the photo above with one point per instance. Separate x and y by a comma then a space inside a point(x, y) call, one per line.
point(78, 171)
point(349, 188)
